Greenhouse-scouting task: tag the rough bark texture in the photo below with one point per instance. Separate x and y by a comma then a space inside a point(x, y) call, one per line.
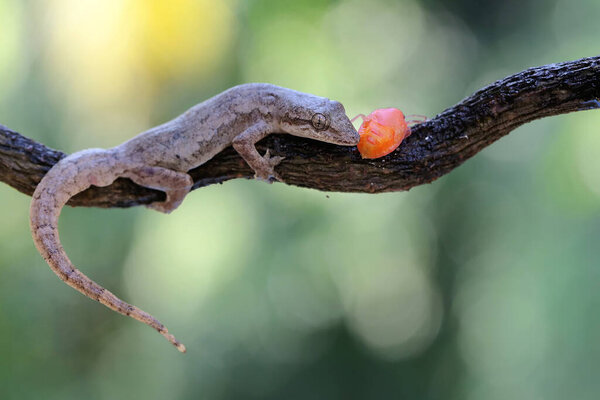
point(435, 147)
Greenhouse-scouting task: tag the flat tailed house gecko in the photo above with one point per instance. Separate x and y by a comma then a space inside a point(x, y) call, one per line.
point(161, 157)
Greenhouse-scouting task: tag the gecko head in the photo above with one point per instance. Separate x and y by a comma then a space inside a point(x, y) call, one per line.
point(325, 121)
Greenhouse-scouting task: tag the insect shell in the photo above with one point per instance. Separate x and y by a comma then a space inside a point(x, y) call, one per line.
point(381, 132)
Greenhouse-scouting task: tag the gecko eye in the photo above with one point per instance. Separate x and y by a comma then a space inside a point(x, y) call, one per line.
point(320, 122)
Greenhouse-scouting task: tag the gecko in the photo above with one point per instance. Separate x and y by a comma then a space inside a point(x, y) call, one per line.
point(161, 157)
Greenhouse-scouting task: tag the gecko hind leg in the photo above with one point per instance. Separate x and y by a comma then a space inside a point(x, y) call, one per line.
point(175, 184)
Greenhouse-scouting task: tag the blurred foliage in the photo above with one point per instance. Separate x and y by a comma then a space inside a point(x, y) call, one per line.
point(482, 285)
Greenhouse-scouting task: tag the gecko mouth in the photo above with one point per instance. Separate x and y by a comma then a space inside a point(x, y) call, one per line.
point(353, 142)
point(347, 143)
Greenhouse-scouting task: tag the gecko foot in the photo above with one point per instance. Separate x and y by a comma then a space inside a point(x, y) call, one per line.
point(175, 184)
point(266, 171)
point(174, 199)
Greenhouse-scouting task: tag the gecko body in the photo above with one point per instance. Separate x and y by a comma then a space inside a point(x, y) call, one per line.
point(161, 157)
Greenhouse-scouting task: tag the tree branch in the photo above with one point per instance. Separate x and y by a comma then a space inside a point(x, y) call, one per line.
point(435, 147)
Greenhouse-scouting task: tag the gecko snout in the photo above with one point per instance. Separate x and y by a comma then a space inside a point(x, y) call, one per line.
point(344, 133)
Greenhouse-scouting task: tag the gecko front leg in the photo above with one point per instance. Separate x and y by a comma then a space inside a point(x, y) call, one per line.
point(244, 144)
point(175, 184)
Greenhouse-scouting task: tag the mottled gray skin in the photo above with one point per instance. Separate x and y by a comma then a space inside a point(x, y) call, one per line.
point(160, 158)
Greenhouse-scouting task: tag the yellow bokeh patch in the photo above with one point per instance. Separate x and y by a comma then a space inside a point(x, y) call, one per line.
point(182, 36)
point(103, 50)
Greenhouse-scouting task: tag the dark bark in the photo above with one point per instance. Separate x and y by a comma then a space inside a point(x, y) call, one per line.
point(435, 147)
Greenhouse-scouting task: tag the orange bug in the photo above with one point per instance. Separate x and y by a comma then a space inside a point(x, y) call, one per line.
point(382, 131)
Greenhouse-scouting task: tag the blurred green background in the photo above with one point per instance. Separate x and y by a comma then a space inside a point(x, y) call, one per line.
point(482, 285)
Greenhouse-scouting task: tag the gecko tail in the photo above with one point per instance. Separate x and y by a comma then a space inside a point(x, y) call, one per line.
point(48, 199)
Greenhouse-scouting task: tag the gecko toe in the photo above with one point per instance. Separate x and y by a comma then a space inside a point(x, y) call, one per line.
point(272, 160)
point(275, 160)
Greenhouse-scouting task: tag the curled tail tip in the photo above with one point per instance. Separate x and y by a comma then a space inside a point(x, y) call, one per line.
point(180, 346)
